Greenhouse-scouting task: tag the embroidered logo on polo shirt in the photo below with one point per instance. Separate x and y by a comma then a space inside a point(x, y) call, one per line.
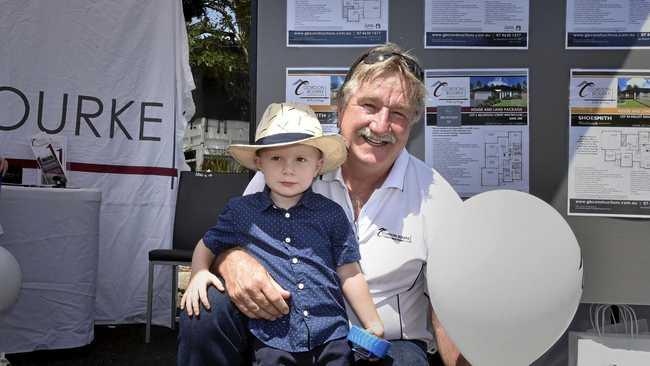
point(387, 234)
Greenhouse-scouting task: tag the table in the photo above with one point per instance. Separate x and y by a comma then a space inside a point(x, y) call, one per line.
point(54, 235)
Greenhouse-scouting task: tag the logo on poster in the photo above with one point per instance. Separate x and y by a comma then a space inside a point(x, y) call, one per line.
point(589, 89)
point(442, 89)
point(304, 88)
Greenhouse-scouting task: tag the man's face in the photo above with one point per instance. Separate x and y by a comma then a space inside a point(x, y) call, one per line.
point(376, 122)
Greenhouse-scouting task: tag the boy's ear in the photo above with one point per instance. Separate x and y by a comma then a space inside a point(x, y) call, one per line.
point(319, 166)
point(258, 164)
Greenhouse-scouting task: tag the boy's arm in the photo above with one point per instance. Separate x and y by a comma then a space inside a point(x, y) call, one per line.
point(355, 289)
point(200, 279)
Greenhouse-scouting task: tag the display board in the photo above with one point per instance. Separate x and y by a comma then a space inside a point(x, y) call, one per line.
point(616, 251)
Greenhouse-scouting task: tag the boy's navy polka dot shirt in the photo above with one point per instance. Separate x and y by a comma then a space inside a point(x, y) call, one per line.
point(301, 248)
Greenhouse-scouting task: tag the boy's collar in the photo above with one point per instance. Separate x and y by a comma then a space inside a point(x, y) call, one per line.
point(306, 200)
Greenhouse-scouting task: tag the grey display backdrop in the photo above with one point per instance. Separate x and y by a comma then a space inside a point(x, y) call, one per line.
point(616, 251)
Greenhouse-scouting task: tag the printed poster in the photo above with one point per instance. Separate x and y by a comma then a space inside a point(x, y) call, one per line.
point(476, 24)
point(318, 88)
point(607, 24)
point(609, 143)
point(476, 131)
point(337, 23)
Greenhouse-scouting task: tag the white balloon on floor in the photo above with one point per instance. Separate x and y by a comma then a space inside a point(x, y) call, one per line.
point(504, 277)
point(10, 279)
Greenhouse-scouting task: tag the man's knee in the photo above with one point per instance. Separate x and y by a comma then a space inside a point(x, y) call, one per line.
point(217, 336)
point(222, 316)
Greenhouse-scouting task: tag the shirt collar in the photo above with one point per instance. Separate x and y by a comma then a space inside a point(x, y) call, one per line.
point(308, 200)
point(397, 173)
point(395, 178)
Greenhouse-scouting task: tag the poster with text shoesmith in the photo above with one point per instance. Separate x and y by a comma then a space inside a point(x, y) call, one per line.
point(609, 143)
point(113, 78)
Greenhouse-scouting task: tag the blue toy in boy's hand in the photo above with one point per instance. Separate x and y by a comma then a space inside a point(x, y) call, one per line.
point(366, 344)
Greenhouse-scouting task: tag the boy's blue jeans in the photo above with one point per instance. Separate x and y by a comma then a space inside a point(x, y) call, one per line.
point(221, 337)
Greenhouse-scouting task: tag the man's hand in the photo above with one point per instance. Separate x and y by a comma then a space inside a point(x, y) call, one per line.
point(197, 291)
point(449, 353)
point(250, 286)
point(4, 165)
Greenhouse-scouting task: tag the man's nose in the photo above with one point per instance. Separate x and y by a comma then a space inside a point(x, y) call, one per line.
point(380, 124)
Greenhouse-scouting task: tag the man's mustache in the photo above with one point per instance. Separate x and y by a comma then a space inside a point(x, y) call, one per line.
point(367, 133)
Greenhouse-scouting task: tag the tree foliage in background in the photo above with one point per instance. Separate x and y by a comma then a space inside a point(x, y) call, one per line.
point(218, 37)
point(221, 164)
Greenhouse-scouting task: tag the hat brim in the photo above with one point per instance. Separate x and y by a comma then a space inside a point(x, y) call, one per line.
point(332, 146)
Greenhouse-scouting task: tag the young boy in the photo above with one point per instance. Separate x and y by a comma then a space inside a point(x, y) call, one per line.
point(303, 239)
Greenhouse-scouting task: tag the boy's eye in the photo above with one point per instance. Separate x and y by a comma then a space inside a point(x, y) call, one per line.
point(301, 159)
point(275, 158)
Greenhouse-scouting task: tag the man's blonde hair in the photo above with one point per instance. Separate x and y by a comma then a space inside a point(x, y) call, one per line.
point(362, 72)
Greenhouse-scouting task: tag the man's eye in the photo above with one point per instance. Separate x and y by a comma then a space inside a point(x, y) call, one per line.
point(399, 115)
point(301, 159)
point(275, 158)
point(368, 106)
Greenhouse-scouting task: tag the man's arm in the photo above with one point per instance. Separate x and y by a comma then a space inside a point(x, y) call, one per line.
point(448, 351)
point(250, 286)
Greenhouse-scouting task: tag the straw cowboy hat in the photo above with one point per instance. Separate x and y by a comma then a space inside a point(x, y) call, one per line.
point(285, 124)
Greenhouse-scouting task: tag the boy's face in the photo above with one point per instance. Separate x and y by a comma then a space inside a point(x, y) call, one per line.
point(289, 171)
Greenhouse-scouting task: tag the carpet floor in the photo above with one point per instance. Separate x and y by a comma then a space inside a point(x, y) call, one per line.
point(113, 345)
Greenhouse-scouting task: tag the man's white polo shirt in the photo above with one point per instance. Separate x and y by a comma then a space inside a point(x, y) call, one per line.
point(394, 228)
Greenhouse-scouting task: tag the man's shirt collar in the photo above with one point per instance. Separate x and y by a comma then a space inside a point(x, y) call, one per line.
point(395, 178)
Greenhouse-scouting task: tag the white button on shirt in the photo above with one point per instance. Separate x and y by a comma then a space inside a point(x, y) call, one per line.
point(287, 240)
point(287, 215)
point(294, 260)
point(394, 229)
point(301, 286)
point(305, 313)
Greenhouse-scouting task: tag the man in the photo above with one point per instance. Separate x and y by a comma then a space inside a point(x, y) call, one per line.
point(395, 203)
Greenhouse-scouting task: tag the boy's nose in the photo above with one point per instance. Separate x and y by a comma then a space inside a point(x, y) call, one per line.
point(287, 168)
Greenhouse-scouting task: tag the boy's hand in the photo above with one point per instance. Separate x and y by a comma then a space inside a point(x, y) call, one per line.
point(197, 291)
point(376, 329)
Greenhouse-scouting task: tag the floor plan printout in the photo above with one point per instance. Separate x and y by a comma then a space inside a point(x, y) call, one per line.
point(476, 131)
point(609, 143)
point(607, 24)
point(476, 24)
point(336, 23)
point(317, 87)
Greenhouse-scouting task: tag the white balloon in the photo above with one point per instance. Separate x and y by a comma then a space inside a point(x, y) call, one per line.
point(11, 279)
point(504, 277)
